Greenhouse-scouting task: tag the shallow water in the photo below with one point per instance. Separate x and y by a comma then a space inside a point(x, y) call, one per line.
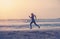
point(15, 25)
point(23, 23)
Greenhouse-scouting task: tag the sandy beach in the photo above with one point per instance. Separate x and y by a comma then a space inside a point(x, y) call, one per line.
point(42, 33)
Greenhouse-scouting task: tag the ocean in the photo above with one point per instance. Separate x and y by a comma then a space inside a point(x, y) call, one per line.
point(18, 25)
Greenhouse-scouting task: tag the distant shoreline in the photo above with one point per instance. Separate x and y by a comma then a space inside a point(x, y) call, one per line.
point(28, 20)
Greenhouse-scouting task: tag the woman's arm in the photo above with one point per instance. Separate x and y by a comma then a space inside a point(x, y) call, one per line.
point(35, 17)
point(29, 16)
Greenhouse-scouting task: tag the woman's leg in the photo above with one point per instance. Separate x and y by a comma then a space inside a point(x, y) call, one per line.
point(36, 24)
point(31, 25)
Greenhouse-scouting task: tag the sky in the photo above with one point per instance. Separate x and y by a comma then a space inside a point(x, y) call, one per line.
point(21, 9)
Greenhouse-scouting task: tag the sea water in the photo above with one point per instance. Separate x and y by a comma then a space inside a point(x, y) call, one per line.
point(16, 25)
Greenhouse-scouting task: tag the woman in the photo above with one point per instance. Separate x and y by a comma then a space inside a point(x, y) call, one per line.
point(33, 20)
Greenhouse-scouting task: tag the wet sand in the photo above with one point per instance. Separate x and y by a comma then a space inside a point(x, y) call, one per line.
point(31, 34)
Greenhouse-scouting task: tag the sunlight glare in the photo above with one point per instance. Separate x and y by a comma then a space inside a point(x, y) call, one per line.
point(6, 3)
